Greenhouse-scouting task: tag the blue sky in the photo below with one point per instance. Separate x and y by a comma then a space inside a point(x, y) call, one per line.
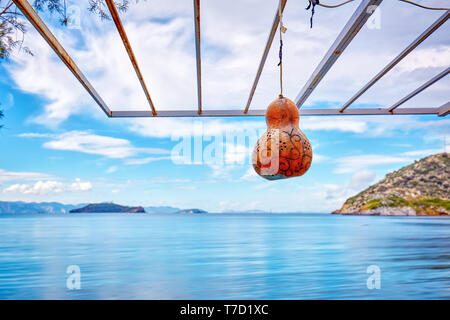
point(59, 146)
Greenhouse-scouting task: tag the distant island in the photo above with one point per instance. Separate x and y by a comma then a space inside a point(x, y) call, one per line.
point(110, 207)
point(107, 207)
point(421, 188)
point(20, 207)
point(195, 211)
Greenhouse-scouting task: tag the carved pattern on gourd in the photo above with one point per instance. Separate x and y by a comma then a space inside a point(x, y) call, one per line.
point(282, 152)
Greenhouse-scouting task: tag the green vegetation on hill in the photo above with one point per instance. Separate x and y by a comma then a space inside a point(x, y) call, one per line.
point(421, 188)
point(107, 207)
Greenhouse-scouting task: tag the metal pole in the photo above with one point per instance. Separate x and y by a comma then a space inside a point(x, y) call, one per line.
point(198, 53)
point(127, 44)
point(444, 109)
point(354, 24)
point(262, 62)
point(439, 22)
point(420, 89)
point(261, 112)
point(48, 36)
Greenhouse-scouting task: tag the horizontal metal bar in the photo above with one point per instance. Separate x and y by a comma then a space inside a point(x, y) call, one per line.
point(439, 22)
point(444, 109)
point(48, 36)
point(262, 62)
point(354, 24)
point(127, 44)
point(262, 112)
point(198, 54)
point(420, 89)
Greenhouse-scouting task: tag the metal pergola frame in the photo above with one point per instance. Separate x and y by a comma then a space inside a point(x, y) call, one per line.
point(352, 27)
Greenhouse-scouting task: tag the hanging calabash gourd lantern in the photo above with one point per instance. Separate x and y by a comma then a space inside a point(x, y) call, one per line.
point(283, 151)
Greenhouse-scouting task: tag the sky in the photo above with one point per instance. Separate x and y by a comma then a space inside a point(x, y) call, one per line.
point(57, 145)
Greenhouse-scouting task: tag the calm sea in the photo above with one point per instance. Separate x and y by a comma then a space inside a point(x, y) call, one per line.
point(226, 256)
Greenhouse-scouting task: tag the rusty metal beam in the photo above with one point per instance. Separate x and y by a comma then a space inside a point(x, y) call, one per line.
point(115, 15)
point(28, 11)
point(444, 109)
point(439, 22)
point(198, 53)
point(420, 89)
point(353, 26)
point(262, 62)
point(262, 112)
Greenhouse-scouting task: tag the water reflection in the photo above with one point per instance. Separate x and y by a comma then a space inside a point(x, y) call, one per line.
point(228, 256)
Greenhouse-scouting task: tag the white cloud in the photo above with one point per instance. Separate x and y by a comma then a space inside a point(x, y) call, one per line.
point(22, 176)
point(168, 180)
point(250, 175)
point(86, 142)
point(92, 144)
point(411, 124)
point(187, 188)
point(235, 156)
point(441, 136)
point(361, 179)
point(7, 101)
point(145, 160)
point(355, 163)
point(111, 169)
point(335, 192)
point(46, 76)
point(223, 171)
point(319, 158)
point(166, 127)
point(424, 153)
point(361, 163)
point(333, 123)
point(332, 196)
point(46, 187)
point(264, 185)
point(34, 135)
point(438, 57)
point(237, 153)
point(78, 185)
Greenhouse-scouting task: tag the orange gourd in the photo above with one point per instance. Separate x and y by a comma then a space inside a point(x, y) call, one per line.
point(283, 151)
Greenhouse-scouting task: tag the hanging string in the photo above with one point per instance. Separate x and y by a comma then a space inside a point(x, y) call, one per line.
point(312, 4)
point(333, 6)
point(422, 6)
point(280, 54)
